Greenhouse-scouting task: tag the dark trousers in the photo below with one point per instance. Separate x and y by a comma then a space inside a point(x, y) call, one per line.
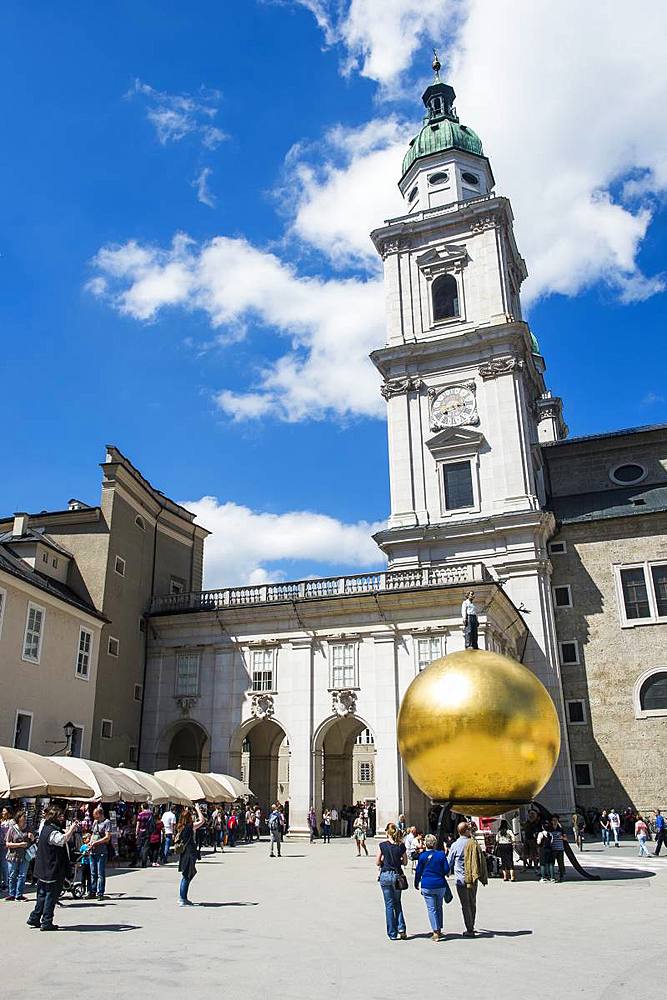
point(659, 841)
point(143, 847)
point(48, 894)
point(85, 878)
point(470, 632)
point(468, 898)
point(559, 858)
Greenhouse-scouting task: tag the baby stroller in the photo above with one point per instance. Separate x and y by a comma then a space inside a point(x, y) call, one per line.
point(72, 880)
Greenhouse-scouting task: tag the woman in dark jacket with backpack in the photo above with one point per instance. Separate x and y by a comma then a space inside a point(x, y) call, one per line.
point(432, 867)
point(186, 848)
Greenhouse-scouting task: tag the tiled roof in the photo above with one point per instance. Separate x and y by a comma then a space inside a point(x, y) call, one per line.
point(627, 501)
point(9, 563)
point(609, 434)
point(34, 535)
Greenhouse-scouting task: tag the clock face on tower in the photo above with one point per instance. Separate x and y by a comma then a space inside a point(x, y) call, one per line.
point(453, 407)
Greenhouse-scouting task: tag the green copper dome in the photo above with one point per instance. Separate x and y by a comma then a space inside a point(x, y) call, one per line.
point(437, 136)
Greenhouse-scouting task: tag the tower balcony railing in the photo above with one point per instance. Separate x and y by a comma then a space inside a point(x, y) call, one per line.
point(429, 213)
point(454, 574)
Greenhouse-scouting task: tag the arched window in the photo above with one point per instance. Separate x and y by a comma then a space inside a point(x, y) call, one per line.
point(140, 523)
point(653, 693)
point(445, 294)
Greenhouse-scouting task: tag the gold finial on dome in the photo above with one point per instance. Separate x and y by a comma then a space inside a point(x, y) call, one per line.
point(436, 64)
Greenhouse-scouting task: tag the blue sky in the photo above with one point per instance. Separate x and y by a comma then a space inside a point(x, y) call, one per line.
point(229, 363)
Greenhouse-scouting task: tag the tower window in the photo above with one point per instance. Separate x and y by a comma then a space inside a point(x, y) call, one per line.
point(413, 194)
point(440, 178)
point(459, 493)
point(471, 179)
point(445, 294)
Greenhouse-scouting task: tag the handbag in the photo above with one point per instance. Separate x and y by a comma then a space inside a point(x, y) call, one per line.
point(30, 853)
point(400, 881)
point(449, 896)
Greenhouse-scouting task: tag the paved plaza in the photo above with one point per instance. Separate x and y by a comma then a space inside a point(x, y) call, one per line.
point(311, 924)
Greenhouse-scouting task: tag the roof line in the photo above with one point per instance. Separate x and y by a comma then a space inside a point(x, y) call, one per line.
point(644, 429)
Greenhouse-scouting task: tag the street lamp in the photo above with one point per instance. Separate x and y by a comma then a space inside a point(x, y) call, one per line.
point(69, 733)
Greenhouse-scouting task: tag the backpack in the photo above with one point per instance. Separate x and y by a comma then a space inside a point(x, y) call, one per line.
point(275, 825)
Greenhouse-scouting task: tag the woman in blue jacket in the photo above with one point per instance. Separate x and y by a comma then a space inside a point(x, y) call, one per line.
point(432, 868)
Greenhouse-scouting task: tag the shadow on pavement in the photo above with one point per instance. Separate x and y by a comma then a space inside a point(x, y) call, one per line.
point(226, 904)
point(102, 927)
point(490, 933)
point(615, 874)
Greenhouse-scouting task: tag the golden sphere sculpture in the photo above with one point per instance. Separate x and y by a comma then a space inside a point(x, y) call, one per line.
point(479, 731)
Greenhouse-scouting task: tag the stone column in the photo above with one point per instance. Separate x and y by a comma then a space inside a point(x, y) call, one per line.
point(301, 734)
point(388, 790)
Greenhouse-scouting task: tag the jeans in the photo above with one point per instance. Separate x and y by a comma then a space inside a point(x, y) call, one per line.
point(643, 851)
point(166, 846)
point(468, 898)
point(277, 839)
point(616, 831)
point(16, 880)
point(470, 631)
point(559, 858)
point(392, 905)
point(433, 898)
point(143, 845)
point(231, 836)
point(183, 891)
point(547, 869)
point(605, 837)
point(326, 834)
point(47, 897)
point(98, 871)
point(4, 874)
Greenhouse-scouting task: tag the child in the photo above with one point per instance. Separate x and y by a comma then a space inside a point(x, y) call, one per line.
point(545, 848)
point(84, 861)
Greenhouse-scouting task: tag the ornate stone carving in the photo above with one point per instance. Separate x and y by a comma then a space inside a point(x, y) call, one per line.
point(344, 702)
point(483, 222)
point(501, 366)
point(262, 706)
point(186, 705)
point(397, 386)
point(393, 246)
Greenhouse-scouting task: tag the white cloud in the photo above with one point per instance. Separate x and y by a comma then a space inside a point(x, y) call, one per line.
point(175, 116)
point(569, 107)
point(332, 325)
point(248, 547)
point(200, 184)
point(652, 398)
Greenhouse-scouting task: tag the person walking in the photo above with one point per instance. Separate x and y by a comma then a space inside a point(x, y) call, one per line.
point(605, 828)
point(312, 823)
point(660, 831)
point(466, 859)
point(334, 821)
point(258, 823)
point(100, 836)
point(155, 842)
point(432, 867)
point(142, 832)
point(470, 621)
point(168, 827)
point(642, 834)
point(51, 866)
point(558, 846)
point(5, 820)
point(615, 823)
point(84, 862)
point(232, 827)
point(390, 859)
point(504, 849)
point(326, 827)
point(186, 848)
point(276, 828)
point(17, 843)
point(359, 833)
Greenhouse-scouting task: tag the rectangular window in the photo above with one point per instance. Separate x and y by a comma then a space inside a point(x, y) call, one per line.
point(659, 578)
point(114, 646)
point(54, 563)
point(23, 730)
point(77, 741)
point(187, 674)
point(457, 477)
point(138, 692)
point(119, 566)
point(106, 729)
point(132, 755)
point(428, 650)
point(45, 557)
point(569, 651)
point(583, 776)
point(576, 712)
point(262, 670)
point(34, 629)
point(342, 665)
point(563, 596)
point(3, 602)
point(557, 548)
point(365, 771)
point(83, 653)
point(635, 593)
point(176, 586)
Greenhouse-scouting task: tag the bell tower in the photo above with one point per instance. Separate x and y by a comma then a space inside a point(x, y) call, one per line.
point(463, 379)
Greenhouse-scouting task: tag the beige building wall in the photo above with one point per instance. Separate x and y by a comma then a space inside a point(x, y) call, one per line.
point(50, 692)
